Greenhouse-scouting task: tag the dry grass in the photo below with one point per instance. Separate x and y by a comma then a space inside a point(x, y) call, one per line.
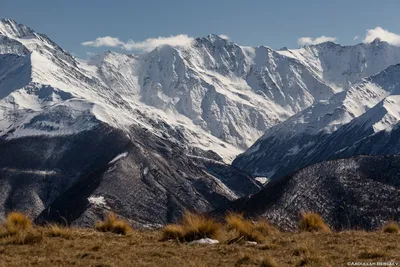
point(59, 231)
point(59, 246)
point(371, 254)
point(16, 222)
point(312, 261)
point(27, 237)
point(300, 251)
point(173, 232)
point(113, 225)
point(244, 259)
point(192, 227)
point(312, 222)
point(87, 247)
point(245, 229)
point(268, 262)
point(391, 227)
point(17, 226)
point(264, 227)
point(17, 230)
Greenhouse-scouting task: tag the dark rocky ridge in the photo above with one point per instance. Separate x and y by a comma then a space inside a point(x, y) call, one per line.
point(359, 192)
point(51, 177)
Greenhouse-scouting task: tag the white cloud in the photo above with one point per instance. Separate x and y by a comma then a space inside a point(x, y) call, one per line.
point(310, 41)
point(151, 43)
point(356, 38)
point(104, 41)
point(224, 36)
point(382, 34)
point(146, 45)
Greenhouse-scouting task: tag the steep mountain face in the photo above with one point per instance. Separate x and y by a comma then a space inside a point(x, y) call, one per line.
point(345, 125)
point(233, 93)
point(236, 93)
point(344, 65)
point(354, 193)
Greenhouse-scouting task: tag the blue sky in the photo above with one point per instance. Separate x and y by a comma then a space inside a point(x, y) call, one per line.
point(273, 23)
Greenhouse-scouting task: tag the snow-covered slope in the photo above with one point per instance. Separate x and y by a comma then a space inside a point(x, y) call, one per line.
point(330, 129)
point(342, 66)
point(220, 95)
point(233, 93)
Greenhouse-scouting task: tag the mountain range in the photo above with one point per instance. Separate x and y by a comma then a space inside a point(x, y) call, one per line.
point(150, 135)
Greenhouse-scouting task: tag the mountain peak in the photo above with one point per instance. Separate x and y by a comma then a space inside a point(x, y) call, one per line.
point(6, 20)
point(213, 38)
point(379, 42)
point(13, 29)
point(327, 44)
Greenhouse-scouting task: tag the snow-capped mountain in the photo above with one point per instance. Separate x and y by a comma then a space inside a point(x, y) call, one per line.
point(233, 93)
point(341, 66)
point(66, 130)
point(338, 127)
point(77, 133)
point(220, 95)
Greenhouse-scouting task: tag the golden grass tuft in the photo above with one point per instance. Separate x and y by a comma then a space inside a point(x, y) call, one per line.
point(113, 225)
point(192, 227)
point(264, 227)
point(244, 229)
point(199, 226)
point(268, 262)
point(391, 227)
point(58, 231)
point(313, 222)
point(174, 232)
point(16, 221)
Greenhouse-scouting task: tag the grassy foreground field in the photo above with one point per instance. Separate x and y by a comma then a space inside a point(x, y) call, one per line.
point(85, 247)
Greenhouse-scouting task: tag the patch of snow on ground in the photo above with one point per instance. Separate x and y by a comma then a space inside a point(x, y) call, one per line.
point(120, 156)
point(262, 180)
point(36, 172)
point(97, 201)
point(207, 241)
point(293, 151)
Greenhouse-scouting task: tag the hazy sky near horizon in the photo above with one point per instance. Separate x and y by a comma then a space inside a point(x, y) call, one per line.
point(84, 27)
